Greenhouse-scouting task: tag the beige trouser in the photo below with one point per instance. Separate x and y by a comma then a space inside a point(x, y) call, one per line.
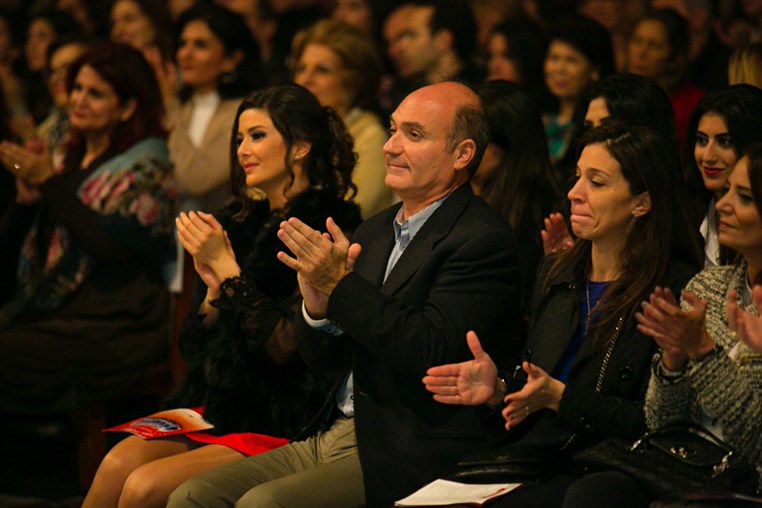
point(322, 471)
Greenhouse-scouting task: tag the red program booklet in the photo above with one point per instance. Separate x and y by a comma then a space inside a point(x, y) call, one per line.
point(164, 423)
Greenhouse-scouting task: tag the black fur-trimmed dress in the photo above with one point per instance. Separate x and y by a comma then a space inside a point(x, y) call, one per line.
point(245, 370)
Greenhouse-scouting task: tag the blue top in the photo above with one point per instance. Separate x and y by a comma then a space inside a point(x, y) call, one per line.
point(590, 298)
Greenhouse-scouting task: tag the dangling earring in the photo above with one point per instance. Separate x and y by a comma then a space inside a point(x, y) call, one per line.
point(230, 77)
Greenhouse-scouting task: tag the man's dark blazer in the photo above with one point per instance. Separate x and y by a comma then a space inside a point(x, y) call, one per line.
point(459, 273)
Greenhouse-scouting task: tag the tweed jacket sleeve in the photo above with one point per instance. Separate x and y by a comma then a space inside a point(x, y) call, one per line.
point(728, 386)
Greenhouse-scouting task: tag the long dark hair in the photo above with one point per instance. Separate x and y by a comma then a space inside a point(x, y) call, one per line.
point(524, 180)
point(131, 77)
point(298, 116)
point(649, 163)
point(741, 108)
point(630, 99)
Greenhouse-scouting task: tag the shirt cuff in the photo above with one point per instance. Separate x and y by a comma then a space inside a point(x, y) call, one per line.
point(323, 325)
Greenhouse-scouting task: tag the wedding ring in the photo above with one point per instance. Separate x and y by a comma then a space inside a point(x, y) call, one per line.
point(16, 166)
point(526, 408)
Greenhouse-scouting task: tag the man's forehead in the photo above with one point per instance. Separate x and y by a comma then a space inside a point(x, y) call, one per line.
point(424, 109)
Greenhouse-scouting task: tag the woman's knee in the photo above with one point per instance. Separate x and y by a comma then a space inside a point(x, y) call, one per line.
point(143, 489)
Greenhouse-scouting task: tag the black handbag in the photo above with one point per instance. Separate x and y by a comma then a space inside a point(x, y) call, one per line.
point(513, 463)
point(674, 462)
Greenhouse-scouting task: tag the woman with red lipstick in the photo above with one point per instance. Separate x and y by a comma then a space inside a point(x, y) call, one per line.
point(704, 372)
point(218, 64)
point(585, 363)
point(719, 129)
point(243, 365)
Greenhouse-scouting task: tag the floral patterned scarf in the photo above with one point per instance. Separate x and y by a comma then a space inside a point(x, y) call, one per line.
point(133, 194)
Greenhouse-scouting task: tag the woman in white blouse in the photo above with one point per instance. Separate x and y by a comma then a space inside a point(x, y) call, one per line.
point(218, 63)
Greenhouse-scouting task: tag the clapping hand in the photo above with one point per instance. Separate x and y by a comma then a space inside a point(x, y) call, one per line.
point(556, 235)
point(468, 383)
point(746, 325)
point(321, 260)
point(33, 162)
point(204, 239)
point(681, 334)
point(541, 391)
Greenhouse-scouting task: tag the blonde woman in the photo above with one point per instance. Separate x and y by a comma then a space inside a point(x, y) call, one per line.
point(341, 66)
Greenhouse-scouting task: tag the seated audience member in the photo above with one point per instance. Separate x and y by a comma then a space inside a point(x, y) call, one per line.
point(708, 50)
point(218, 64)
point(720, 127)
point(586, 364)
point(658, 49)
point(617, 16)
point(719, 130)
point(745, 65)
point(627, 98)
point(143, 24)
point(12, 65)
point(423, 271)
point(515, 52)
point(365, 15)
point(429, 41)
point(43, 28)
point(703, 373)
point(90, 15)
point(515, 175)
point(97, 231)
point(244, 368)
point(341, 66)
point(579, 53)
point(62, 53)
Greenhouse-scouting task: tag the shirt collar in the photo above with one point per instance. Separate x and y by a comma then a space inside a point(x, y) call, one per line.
point(406, 229)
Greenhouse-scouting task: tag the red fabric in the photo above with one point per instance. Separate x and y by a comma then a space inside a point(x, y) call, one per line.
point(684, 100)
point(247, 443)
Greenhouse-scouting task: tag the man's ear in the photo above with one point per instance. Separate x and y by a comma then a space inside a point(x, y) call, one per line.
point(464, 153)
point(642, 205)
point(128, 109)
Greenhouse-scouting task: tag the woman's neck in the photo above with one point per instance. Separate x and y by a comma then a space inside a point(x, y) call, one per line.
point(95, 146)
point(278, 198)
point(566, 109)
point(606, 264)
point(753, 267)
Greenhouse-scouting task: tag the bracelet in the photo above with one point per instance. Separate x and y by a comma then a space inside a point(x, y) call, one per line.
point(712, 352)
point(670, 376)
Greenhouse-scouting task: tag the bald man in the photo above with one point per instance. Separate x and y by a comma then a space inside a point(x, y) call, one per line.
point(400, 298)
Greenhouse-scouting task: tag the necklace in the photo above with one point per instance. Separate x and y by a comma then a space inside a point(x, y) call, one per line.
point(589, 309)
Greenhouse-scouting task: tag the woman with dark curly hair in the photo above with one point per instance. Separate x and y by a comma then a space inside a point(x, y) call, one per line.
point(243, 365)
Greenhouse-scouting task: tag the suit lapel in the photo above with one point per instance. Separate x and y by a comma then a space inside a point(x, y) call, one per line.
point(419, 249)
point(376, 254)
